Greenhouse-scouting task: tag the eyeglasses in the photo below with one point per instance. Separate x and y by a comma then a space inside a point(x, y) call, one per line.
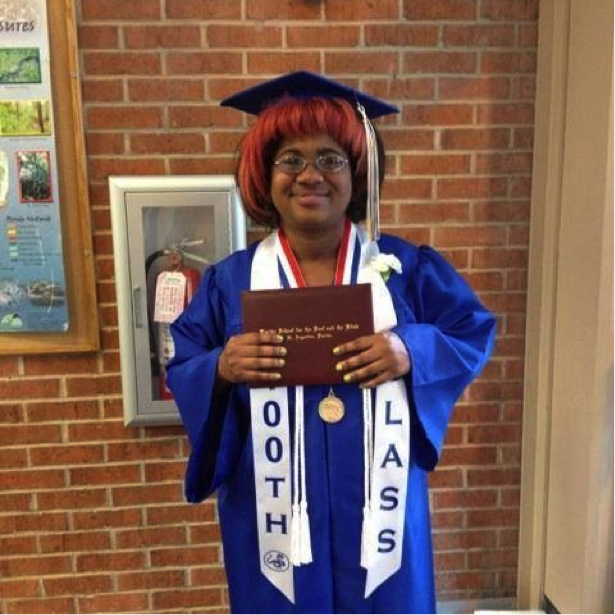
point(293, 164)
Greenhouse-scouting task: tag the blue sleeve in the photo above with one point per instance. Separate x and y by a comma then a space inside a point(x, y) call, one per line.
point(210, 418)
point(449, 344)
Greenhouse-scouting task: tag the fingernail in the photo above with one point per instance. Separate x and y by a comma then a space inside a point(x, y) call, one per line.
point(283, 352)
point(347, 377)
point(339, 367)
point(336, 350)
point(279, 338)
point(276, 376)
point(281, 362)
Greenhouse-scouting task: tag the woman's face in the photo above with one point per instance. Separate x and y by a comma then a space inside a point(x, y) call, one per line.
point(312, 199)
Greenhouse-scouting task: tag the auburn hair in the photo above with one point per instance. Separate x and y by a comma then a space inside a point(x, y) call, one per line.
point(291, 118)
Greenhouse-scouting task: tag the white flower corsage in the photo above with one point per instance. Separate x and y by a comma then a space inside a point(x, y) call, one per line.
point(384, 263)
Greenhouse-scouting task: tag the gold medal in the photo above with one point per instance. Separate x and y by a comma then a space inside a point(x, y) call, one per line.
point(331, 408)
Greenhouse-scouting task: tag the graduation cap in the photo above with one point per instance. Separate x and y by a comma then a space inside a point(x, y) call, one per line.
point(305, 85)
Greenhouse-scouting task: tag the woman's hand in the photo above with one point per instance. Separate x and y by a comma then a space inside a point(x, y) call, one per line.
point(380, 357)
point(251, 357)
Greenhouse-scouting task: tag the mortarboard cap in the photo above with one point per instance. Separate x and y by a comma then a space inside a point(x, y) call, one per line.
point(304, 84)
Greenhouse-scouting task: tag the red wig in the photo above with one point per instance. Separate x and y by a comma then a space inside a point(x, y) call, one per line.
point(294, 118)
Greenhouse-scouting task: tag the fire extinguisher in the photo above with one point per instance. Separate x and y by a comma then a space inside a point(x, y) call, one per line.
point(176, 284)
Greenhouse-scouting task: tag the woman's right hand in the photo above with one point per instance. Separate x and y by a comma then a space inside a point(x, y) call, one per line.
point(252, 357)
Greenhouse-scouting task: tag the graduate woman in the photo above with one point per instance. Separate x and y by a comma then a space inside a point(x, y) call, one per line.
point(323, 511)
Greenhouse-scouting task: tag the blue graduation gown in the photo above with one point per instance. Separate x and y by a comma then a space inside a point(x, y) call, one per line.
point(449, 336)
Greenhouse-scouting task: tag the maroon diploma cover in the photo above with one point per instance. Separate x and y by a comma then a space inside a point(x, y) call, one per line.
point(313, 321)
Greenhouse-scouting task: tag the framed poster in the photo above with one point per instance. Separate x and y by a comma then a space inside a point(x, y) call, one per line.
point(47, 286)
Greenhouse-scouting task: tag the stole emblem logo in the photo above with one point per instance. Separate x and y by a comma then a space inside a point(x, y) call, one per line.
point(276, 561)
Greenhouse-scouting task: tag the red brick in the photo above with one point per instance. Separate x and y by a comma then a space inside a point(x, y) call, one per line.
point(428, 10)
point(29, 389)
point(202, 116)
point(439, 62)
point(372, 62)
point(66, 455)
point(112, 561)
point(61, 411)
point(474, 539)
point(223, 142)
point(186, 556)
point(22, 588)
point(184, 143)
point(404, 139)
point(104, 143)
point(493, 476)
point(157, 90)
point(401, 35)
point(98, 90)
point(501, 211)
point(524, 88)
point(29, 434)
point(468, 455)
point(13, 458)
point(445, 477)
point(508, 62)
point(166, 515)
point(203, 63)
point(479, 35)
point(116, 602)
point(486, 281)
point(93, 386)
point(469, 236)
point(68, 499)
point(16, 545)
point(121, 63)
point(504, 10)
point(472, 88)
point(147, 494)
point(416, 236)
point(528, 35)
point(208, 576)
point(436, 164)
point(494, 434)
point(185, 598)
point(466, 580)
point(500, 517)
point(150, 580)
point(42, 605)
point(75, 585)
point(447, 520)
point(144, 538)
point(472, 187)
point(144, 37)
point(433, 212)
point(162, 472)
point(118, 9)
point(124, 117)
point(75, 541)
point(14, 502)
point(205, 533)
point(322, 36)
point(506, 114)
point(497, 258)
point(105, 475)
point(202, 166)
point(362, 10)
point(59, 364)
point(475, 138)
point(203, 9)
point(404, 189)
point(449, 561)
point(267, 63)
point(35, 566)
point(243, 36)
point(261, 11)
point(420, 88)
point(31, 479)
point(104, 167)
point(98, 37)
point(437, 115)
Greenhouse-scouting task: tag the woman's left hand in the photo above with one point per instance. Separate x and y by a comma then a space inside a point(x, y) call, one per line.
point(379, 358)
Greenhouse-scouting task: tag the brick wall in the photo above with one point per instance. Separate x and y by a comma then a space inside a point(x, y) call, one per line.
point(91, 512)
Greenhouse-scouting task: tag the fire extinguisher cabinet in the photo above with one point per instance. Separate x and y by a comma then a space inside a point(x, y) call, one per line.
point(166, 232)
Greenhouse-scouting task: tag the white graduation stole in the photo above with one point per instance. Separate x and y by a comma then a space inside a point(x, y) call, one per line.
point(281, 501)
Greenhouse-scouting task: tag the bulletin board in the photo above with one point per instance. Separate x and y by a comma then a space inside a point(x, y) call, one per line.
point(47, 282)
